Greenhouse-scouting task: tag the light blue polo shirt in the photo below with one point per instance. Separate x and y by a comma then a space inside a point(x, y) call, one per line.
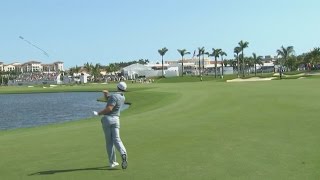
point(116, 100)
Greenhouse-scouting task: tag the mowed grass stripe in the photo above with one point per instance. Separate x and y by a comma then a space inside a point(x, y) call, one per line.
point(203, 130)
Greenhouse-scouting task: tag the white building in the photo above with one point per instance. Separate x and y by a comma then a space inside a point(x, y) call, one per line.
point(32, 66)
point(9, 67)
point(1, 67)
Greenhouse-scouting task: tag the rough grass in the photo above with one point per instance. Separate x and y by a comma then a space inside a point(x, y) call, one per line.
point(194, 130)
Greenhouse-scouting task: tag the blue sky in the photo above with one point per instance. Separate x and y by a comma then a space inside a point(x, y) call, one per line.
point(104, 31)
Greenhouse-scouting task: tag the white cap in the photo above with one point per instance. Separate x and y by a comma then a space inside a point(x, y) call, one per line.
point(122, 86)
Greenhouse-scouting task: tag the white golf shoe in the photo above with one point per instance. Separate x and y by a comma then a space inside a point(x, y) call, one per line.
point(113, 165)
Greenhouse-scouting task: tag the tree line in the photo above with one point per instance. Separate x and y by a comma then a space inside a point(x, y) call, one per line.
point(286, 58)
point(95, 69)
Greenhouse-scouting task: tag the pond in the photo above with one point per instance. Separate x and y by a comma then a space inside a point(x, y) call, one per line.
point(29, 110)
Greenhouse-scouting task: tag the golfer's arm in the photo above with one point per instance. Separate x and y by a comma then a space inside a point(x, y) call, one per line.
point(106, 110)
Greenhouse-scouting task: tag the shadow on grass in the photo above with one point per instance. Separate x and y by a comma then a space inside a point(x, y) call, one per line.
point(50, 172)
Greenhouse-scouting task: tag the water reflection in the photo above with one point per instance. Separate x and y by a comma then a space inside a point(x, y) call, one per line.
point(28, 110)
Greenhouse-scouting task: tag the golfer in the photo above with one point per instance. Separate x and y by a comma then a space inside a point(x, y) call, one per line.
point(111, 125)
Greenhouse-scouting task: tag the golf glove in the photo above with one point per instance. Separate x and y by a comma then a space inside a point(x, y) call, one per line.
point(95, 113)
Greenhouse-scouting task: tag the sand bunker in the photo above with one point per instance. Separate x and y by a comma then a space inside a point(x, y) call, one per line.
point(251, 79)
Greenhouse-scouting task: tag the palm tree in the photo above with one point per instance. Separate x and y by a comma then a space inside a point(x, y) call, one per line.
point(204, 53)
point(248, 61)
point(113, 67)
point(301, 59)
point(242, 46)
point(292, 63)
point(74, 70)
point(216, 54)
point(162, 52)
point(88, 67)
point(200, 52)
point(96, 72)
point(256, 60)
point(284, 53)
point(233, 63)
point(313, 57)
point(77, 69)
point(316, 55)
point(110, 68)
point(237, 50)
point(182, 53)
point(222, 53)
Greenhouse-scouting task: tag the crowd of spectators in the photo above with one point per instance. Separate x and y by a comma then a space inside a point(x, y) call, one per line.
point(31, 78)
point(37, 76)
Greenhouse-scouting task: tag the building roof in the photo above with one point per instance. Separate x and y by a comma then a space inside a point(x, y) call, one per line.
point(136, 67)
point(16, 64)
point(32, 62)
point(57, 62)
point(157, 65)
point(9, 65)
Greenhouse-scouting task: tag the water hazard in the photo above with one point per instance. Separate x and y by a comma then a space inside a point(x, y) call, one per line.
point(29, 110)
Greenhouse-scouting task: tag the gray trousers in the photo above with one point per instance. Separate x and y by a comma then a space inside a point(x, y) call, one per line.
point(111, 126)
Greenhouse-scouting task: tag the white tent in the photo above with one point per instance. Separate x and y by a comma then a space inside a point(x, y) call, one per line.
point(135, 70)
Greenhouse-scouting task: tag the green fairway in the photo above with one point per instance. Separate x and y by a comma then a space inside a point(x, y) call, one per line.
point(191, 130)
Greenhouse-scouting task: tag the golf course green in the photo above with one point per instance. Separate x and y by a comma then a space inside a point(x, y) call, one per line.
point(183, 130)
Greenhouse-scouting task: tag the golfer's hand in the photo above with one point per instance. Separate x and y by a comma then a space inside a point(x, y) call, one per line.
point(95, 113)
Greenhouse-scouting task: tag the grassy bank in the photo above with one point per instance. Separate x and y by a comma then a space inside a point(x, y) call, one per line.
point(193, 130)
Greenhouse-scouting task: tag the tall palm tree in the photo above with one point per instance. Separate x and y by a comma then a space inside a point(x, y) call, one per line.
point(243, 45)
point(162, 52)
point(200, 52)
point(222, 53)
point(216, 54)
point(237, 51)
point(284, 53)
point(256, 60)
point(182, 53)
